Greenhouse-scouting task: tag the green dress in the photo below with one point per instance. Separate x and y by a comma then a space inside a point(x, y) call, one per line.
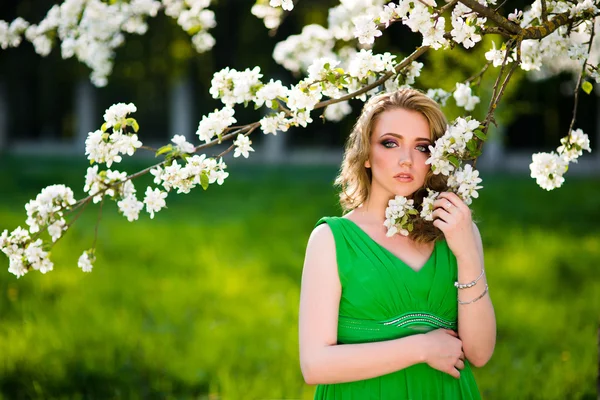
point(383, 299)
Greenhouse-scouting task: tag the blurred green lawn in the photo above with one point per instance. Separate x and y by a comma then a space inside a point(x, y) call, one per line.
point(202, 301)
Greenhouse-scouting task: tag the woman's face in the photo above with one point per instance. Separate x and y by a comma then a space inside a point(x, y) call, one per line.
point(399, 149)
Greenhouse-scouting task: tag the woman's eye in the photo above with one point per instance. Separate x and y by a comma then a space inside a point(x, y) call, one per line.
point(389, 144)
point(423, 148)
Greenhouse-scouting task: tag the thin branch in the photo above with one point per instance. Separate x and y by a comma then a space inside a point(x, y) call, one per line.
point(580, 79)
point(480, 73)
point(498, 91)
point(492, 15)
point(233, 145)
point(544, 11)
point(97, 224)
point(416, 54)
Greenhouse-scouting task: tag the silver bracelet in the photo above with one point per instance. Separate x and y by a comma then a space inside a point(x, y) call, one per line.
point(470, 284)
point(475, 299)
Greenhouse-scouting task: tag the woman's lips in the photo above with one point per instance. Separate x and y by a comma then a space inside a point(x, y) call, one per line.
point(404, 177)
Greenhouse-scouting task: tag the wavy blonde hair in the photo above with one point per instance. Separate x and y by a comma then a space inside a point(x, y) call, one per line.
point(354, 178)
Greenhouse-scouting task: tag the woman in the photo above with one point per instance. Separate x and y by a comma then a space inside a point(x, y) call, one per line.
point(379, 316)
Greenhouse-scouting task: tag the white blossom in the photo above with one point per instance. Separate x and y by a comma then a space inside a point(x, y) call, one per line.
point(464, 97)
point(235, 87)
point(215, 123)
point(465, 182)
point(464, 33)
point(397, 216)
point(154, 200)
point(572, 146)
point(299, 99)
point(438, 95)
point(496, 56)
point(242, 146)
point(287, 5)
point(516, 16)
point(130, 206)
point(548, 170)
point(337, 111)
point(271, 16)
point(85, 261)
point(427, 205)
point(116, 113)
point(269, 92)
point(182, 144)
point(297, 52)
point(274, 123)
point(365, 29)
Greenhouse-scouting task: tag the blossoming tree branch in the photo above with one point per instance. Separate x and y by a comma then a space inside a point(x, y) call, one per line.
point(546, 38)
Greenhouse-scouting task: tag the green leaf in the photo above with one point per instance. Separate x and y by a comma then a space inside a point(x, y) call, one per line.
point(340, 71)
point(103, 128)
point(117, 126)
point(164, 149)
point(274, 104)
point(454, 160)
point(133, 123)
point(587, 87)
point(327, 66)
point(480, 134)
point(410, 226)
point(331, 78)
point(204, 180)
point(472, 145)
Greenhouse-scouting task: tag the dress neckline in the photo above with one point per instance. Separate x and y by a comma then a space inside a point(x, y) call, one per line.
point(389, 252)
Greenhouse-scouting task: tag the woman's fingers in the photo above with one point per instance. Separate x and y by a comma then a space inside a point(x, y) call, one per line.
point(460, 364)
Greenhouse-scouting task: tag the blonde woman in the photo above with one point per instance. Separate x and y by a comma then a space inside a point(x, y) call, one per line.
point(400, 317)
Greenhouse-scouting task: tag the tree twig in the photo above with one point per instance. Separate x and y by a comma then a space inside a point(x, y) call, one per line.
point(492, 15)
point(580, 79)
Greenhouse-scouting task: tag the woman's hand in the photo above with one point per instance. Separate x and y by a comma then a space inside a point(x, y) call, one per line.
point(453, 217)
point(444, 351)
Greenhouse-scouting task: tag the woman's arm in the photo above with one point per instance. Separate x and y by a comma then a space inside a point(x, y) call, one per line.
point(321, 359)
point(476, 321)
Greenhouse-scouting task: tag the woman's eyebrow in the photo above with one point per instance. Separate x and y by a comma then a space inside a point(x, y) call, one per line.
point(402, 137)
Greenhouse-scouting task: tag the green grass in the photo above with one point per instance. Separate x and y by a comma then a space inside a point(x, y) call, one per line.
point(202, 301)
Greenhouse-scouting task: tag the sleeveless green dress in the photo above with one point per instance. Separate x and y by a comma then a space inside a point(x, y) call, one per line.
point(383, 299)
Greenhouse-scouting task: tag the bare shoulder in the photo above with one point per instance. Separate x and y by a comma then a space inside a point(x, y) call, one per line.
point(321, 236)
point(320, 260)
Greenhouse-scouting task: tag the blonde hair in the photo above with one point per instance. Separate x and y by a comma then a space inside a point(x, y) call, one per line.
point(354, 178)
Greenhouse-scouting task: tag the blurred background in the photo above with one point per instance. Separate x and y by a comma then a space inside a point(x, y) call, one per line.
point(202, 301)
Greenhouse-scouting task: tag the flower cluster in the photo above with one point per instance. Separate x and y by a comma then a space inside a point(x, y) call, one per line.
point(104, 147)
point(464, 97)
point(23, 253)
point(91, 30)
point(399, 216)
point(297, 52)
point(548, 168)
point(465, 183)
point(47, 210)
point(195, 19)
point(114, 184)
point(242, 146)
point(235, 87)
point(456, 144)
point(197, 170)
point(271, 16)
point(215, 123)
point(427, 205)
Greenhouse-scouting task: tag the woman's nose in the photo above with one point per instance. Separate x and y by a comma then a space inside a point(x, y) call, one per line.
point(405, 157)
